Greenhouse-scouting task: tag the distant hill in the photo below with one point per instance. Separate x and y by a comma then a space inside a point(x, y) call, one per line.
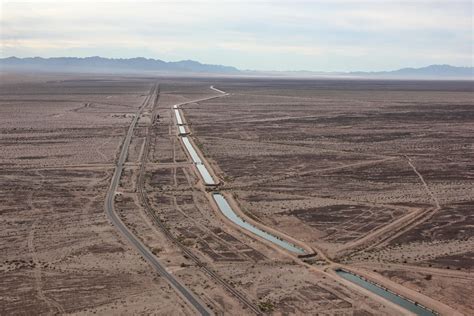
point(429, 72)
point(100, 64)
point(435, 71)
point(141, 65)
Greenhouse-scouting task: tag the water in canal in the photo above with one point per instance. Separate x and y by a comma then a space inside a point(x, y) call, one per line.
point(182, 130)
point(178, 117)
point(205, 174)
point(191, 150)
point(412, 307)
point(230, 214)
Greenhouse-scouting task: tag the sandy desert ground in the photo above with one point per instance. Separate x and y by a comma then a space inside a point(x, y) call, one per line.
point(59, 140)
point(373, 175)
point(335, 164)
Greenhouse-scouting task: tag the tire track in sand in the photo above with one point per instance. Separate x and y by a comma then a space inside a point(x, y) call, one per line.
point(37, 273)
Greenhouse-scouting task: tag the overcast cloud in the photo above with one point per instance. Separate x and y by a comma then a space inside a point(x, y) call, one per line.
point(266, 35)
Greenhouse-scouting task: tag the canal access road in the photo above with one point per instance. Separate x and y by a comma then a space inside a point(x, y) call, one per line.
point(231, 215)
point(181, 289)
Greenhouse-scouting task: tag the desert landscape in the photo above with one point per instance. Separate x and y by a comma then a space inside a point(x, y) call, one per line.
point(106, 211)
point(204, 157)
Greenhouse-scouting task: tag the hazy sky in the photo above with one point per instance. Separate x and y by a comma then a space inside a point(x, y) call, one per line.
point(327, 35)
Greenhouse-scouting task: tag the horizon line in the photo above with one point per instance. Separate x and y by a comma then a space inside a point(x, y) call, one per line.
point(239, 69)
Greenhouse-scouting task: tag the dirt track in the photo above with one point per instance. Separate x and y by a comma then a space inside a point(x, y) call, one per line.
point(320, 163)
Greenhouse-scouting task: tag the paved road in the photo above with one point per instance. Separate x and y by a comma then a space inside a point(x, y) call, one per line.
point(136, 243)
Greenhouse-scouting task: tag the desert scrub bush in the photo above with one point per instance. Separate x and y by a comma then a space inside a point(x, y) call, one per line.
point(266, 306)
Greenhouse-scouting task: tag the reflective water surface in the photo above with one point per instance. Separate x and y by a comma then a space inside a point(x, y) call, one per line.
point(229, 213)
point(392, 297)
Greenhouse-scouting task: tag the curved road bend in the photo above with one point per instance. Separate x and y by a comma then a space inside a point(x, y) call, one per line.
point(136, 243)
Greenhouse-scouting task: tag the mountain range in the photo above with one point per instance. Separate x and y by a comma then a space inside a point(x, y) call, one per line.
point(147, 65)
point(100, 64)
